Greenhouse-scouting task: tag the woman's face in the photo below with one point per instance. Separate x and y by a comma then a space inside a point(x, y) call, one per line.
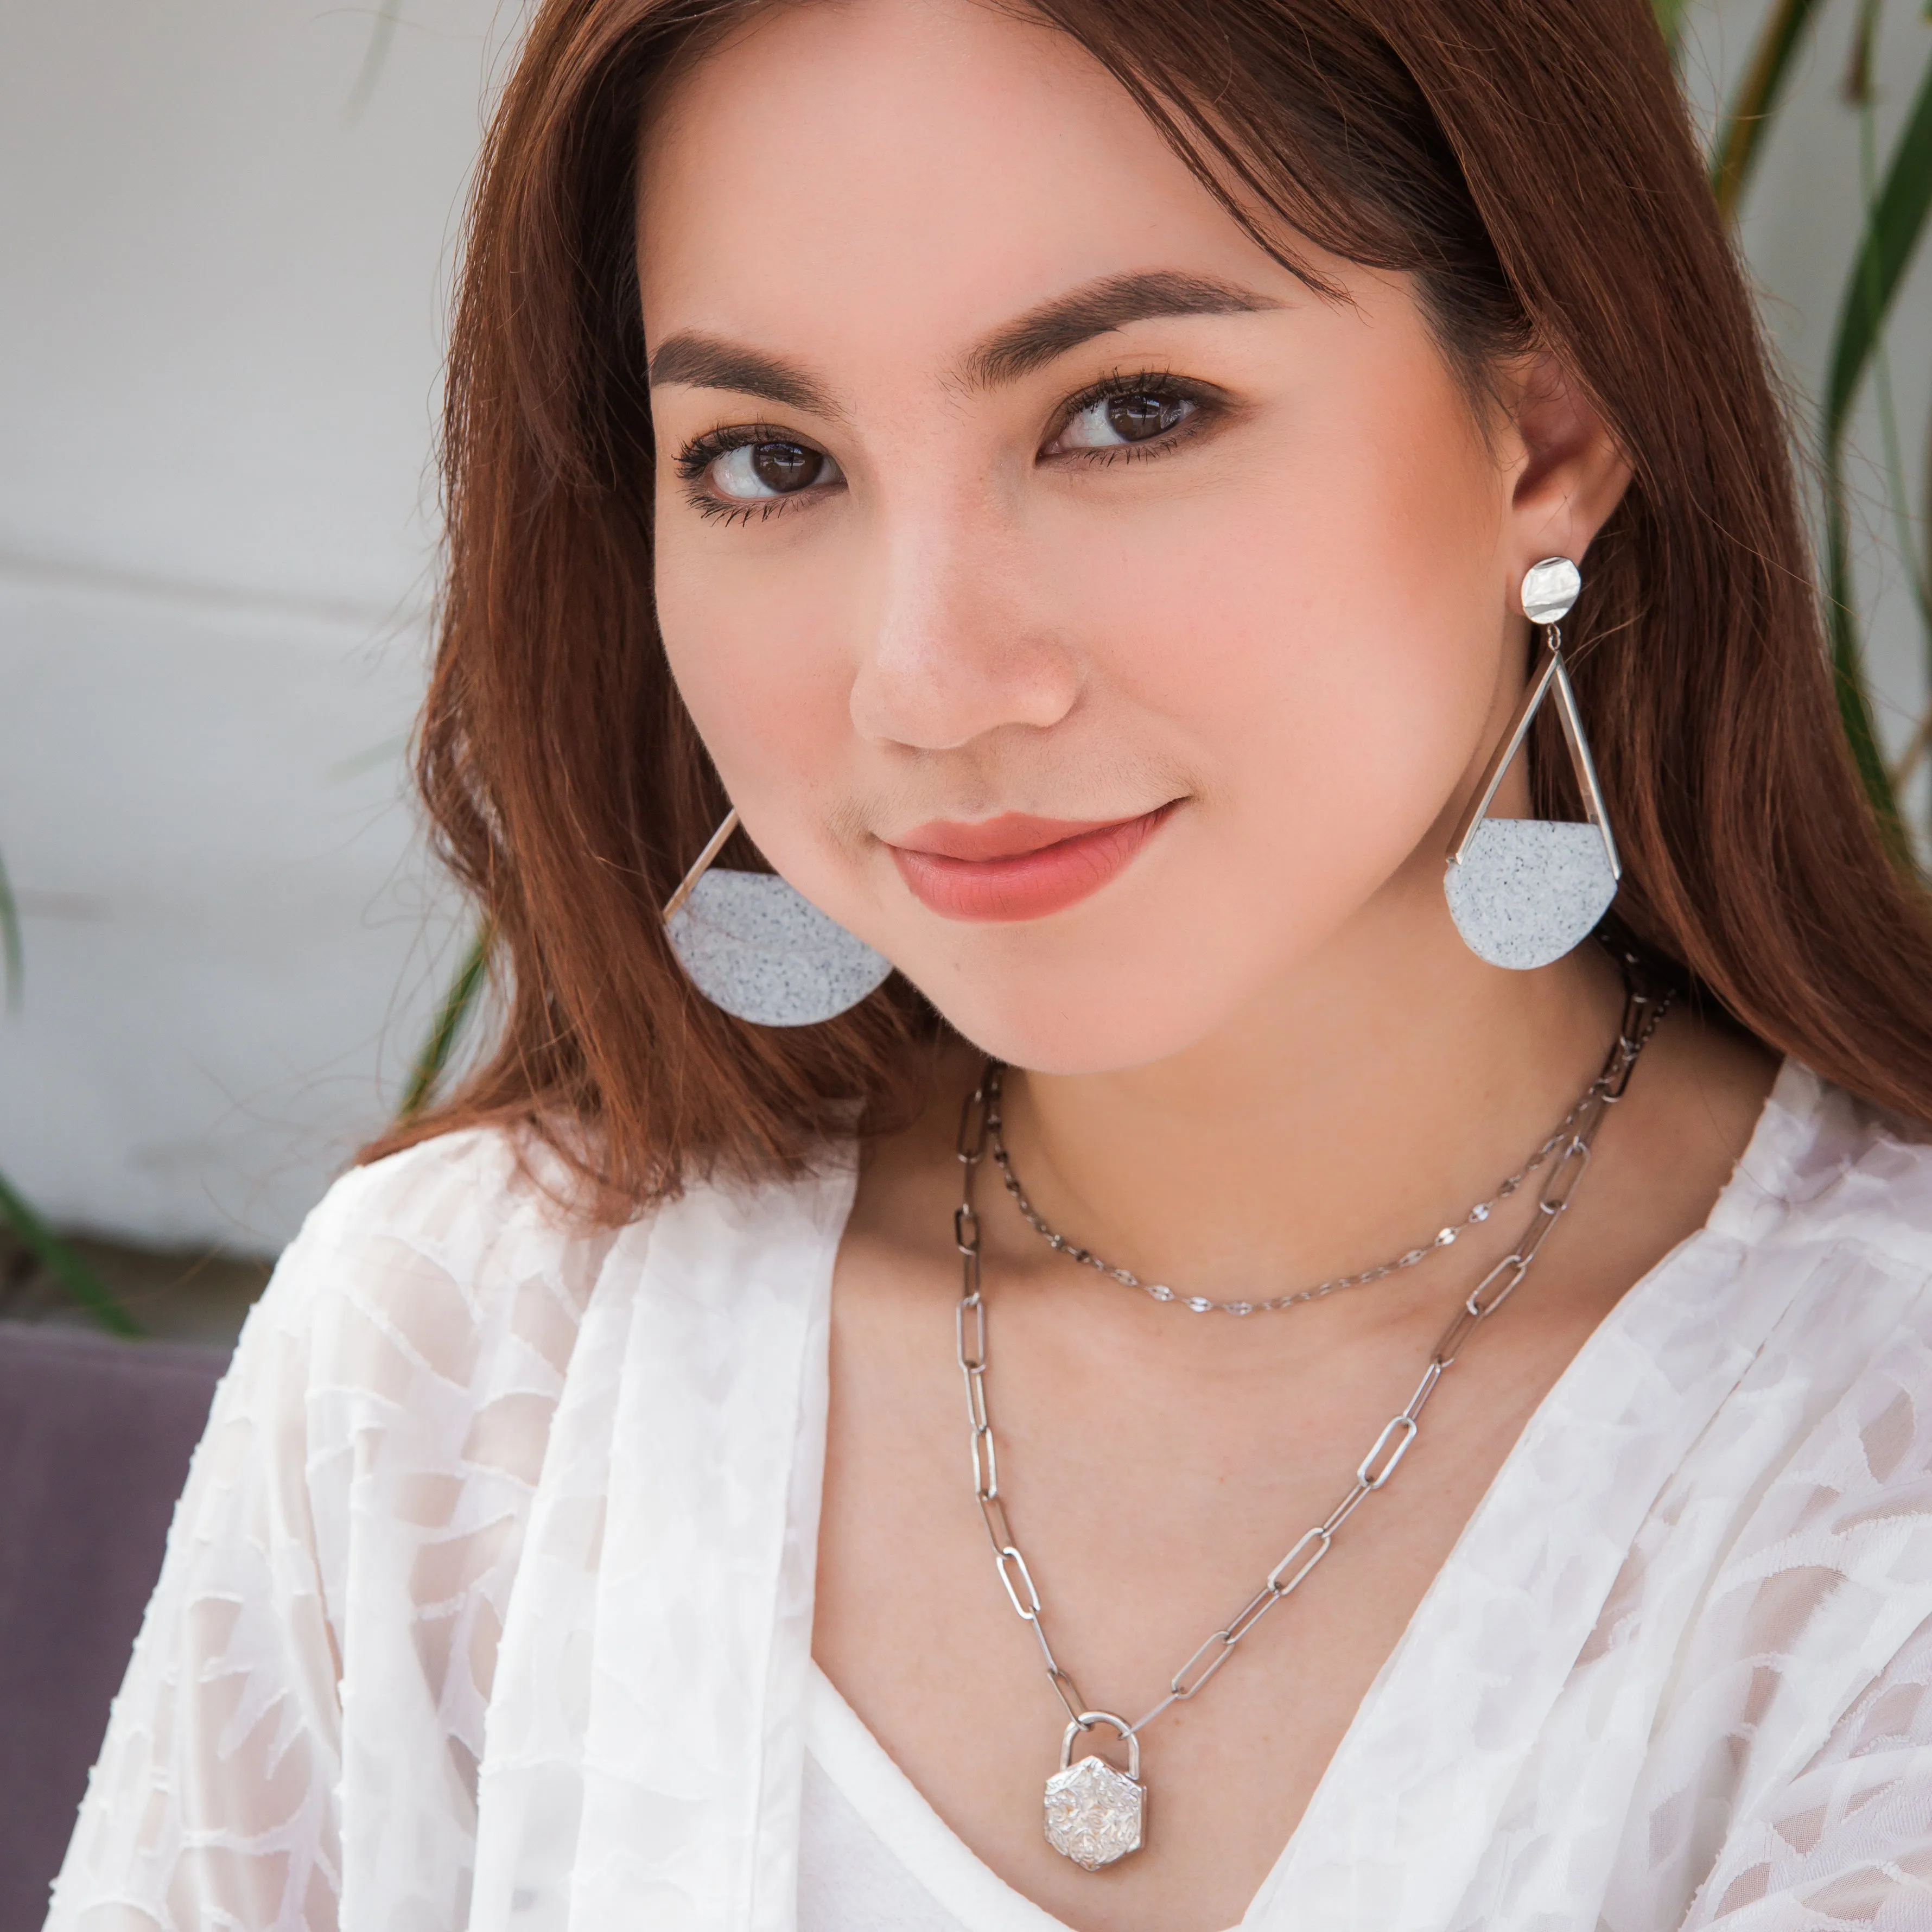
point(1078, 609)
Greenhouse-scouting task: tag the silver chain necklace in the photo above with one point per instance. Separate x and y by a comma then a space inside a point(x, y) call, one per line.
point(1445, 1238)
point(1095, 1813)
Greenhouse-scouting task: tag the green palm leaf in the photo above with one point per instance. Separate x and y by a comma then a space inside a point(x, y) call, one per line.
point(452, 1014)
point(1734, 153)
point(1891, 237)
point(60, 1261)
point(11, 952)
point(1893, 227)
point(381, 36)
point(1848, 676)
point(1670, 21)
point(34, 1235)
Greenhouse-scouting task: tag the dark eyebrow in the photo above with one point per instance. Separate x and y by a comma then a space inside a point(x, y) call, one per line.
point(1035, 339)
point(705, 362)
point(1016, 348)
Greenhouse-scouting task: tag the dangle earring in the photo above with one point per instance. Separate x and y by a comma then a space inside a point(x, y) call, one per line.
point(1523, 892)
point(759, 949)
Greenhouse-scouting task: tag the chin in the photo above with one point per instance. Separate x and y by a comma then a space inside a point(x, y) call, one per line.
point(1084, 1016)
point(1151, 977)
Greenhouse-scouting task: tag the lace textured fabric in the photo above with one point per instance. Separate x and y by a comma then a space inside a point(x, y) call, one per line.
point(488, 1603)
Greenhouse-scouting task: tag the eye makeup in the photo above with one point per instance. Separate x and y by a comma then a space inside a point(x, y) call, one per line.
point(1132, 417)
point(737, 471)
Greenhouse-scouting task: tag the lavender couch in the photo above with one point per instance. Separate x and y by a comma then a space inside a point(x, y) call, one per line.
point(94, 1441)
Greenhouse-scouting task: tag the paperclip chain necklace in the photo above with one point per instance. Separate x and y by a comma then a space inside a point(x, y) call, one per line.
point(1095, 1813)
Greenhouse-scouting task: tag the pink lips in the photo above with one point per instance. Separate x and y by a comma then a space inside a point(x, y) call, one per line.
point(1017, 867)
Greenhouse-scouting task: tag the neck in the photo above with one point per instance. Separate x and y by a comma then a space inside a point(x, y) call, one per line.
point(1369, 1100)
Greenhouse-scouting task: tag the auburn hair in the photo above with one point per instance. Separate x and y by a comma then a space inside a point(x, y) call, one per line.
point(1530, 164)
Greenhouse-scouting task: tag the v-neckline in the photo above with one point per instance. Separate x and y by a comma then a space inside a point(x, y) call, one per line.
point(1374, 1853)
point(896, 1812)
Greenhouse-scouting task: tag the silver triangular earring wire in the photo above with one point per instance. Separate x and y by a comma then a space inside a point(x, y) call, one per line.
point(1524, 892)
point(762, 951)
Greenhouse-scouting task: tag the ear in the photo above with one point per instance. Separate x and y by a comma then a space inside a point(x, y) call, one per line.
point(1570, 473)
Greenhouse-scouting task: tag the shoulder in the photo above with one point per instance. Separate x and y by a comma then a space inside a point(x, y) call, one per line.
point(1826, 1445)
point(1820, 1264)
point(407, 1357)
point(460, 1261)
point(1795, 1530)
point(422, 1269)
point(422, 1334)
point(1826, 1172)
point(465, 1203)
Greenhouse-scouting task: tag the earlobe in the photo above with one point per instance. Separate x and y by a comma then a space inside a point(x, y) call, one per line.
point(1573, 472)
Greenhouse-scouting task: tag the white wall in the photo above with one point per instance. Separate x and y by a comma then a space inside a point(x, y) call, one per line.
point(220, 322)
point(220, 331)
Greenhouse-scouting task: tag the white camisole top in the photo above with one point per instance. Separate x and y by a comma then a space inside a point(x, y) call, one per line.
point(874, 1856)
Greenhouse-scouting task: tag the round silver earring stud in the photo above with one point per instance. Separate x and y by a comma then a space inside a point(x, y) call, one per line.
point(1525, 891)
point(761, 950)
point(1549, 589)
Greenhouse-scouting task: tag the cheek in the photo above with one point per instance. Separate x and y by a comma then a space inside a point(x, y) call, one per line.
point(756, 641)
point(1323, 636)
point(1317, 649)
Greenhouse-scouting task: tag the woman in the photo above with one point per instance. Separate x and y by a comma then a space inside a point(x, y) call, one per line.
point(1096, 489)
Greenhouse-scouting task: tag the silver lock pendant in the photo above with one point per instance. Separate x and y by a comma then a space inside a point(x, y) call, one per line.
point(1095, 1813)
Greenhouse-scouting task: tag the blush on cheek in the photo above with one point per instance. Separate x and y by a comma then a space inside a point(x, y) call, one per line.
point(774, 724)
point(753, 665)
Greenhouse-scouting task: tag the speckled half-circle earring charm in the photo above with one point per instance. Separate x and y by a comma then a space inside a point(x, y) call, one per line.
point(759, 949)
point(1524, 891)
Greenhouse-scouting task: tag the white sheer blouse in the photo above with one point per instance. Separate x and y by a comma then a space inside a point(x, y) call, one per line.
point(489, 1600)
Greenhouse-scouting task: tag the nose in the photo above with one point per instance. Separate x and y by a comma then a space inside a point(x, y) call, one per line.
point(956, 643)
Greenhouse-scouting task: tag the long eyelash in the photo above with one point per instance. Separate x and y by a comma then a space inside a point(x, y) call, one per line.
point(1130, 382)
point(728, 513)
point(701, 452)
point(1208, 401)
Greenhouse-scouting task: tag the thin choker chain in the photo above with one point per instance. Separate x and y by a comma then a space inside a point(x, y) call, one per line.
point(1560, 1138)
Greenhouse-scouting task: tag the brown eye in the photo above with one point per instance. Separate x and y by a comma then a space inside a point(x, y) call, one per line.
point(1127, 417)
point(756, 471)
point(785, 467)
point(1136, 418)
